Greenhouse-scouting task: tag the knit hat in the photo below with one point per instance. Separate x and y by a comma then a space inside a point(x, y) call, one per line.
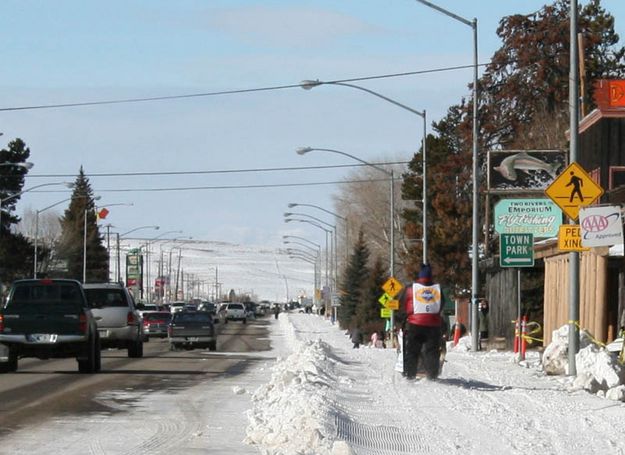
point(425, 274)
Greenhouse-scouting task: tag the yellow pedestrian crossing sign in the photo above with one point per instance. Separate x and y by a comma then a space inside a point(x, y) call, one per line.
point(392, 287)
point(573, 189)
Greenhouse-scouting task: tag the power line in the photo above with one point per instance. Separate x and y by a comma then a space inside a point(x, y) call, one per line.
point(227, 92)
point(221, 171)
point(223, 187)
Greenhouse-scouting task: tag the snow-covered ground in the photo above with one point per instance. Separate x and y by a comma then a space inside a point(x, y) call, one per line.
point(315, 394)
point(328, 398)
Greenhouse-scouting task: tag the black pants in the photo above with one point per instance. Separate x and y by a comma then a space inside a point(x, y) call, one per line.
point(422, 350)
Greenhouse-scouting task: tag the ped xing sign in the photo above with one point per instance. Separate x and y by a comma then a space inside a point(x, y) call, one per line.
point(541, 217)
point(516, 250)
point(601, 226)
point(570, 238)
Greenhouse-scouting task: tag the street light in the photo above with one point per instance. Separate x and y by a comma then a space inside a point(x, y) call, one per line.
point(120, 236)
point(304, 150)
point(333, 245)
point(344, 219)
point(84, 244)
point(147, 258)
point(310, 84)
point(476, 201)
point(13, 196)
point(24, 164)
point(37, 212)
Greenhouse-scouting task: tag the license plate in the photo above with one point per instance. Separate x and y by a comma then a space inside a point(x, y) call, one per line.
point(43, 338)
point(103, 333)
point(192, 338)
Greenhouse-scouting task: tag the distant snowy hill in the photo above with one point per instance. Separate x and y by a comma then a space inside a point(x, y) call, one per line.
point(264, 272)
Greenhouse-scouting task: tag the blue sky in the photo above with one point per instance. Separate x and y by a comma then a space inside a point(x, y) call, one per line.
point(76, 51)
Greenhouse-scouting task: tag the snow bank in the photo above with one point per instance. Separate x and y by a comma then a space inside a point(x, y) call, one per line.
point(598, 370)
point(288, 414)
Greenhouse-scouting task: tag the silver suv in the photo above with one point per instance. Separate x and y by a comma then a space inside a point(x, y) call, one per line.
point(119, 322)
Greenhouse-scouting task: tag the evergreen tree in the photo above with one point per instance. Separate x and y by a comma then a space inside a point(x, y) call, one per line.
point(81, 212)
point(16, 252)
point(368, 311)
point(356, 274)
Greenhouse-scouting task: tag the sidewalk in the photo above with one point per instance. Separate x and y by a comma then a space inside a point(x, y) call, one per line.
point(327, 398)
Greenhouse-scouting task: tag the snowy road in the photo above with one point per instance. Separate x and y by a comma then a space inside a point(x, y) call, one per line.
point(322, 397)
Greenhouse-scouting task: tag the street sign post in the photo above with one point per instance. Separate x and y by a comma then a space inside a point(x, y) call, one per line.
point(516, 250)
point(573, 189)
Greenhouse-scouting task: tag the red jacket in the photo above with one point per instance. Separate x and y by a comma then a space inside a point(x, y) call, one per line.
point(424, 319)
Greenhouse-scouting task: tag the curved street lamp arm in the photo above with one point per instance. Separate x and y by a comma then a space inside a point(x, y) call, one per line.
point(304, 150)
point(287, 220)
point(316, 250)
point(302, 238)
point(295, 204)
point(287, 214)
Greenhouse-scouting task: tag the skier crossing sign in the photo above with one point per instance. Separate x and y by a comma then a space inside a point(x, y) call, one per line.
point(573, 189)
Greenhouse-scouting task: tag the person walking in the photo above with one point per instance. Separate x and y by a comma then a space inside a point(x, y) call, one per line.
point(422, 338)
point(483, 322)
point(356, 337)
point(276, 310)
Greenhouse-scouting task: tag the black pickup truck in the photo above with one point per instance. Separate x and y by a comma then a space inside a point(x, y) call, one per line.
point(192, 329)
point(49, 318)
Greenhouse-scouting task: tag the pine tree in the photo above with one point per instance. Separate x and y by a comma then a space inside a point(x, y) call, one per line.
point(368, 311)
point(16, 252)
point(81, 212)
point(355, 277)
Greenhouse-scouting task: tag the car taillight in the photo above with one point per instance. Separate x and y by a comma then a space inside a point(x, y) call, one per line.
point(82, 323)
point(130, 318)
point(146, 323)
point(1, 323)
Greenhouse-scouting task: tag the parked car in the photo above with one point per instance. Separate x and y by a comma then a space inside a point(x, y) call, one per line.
point(155, 323)
point(119, 321)
point(235, 312)
point(192, 329)
point(49, 319)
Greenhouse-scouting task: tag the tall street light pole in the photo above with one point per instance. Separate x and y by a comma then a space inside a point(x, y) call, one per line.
point(342, 218)
point(327, 231)
point(304, 150)
point(476, 201)
point(310, 84)
point(13, 196)
point(84, 245)
point(121, 236)
point(333, 248)
point(573, 150)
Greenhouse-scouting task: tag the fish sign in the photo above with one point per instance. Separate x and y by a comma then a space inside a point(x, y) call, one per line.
point(523, 169)
point(516, 250)
point(573, 189)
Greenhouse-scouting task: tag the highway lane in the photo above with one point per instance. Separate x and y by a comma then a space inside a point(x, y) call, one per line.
point(42, 391)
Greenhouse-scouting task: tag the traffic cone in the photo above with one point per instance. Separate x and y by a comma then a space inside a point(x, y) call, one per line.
point(516, 336)
point(456, 333)
point(523, 337)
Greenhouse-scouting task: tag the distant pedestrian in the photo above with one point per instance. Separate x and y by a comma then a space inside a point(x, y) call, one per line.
point(276, 310)
point(483, 321)
point(356, 337)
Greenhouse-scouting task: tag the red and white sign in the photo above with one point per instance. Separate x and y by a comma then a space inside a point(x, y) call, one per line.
point(601, 226)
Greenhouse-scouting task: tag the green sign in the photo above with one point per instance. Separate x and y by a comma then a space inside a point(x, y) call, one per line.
point(541, 217)
point(516, 250)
